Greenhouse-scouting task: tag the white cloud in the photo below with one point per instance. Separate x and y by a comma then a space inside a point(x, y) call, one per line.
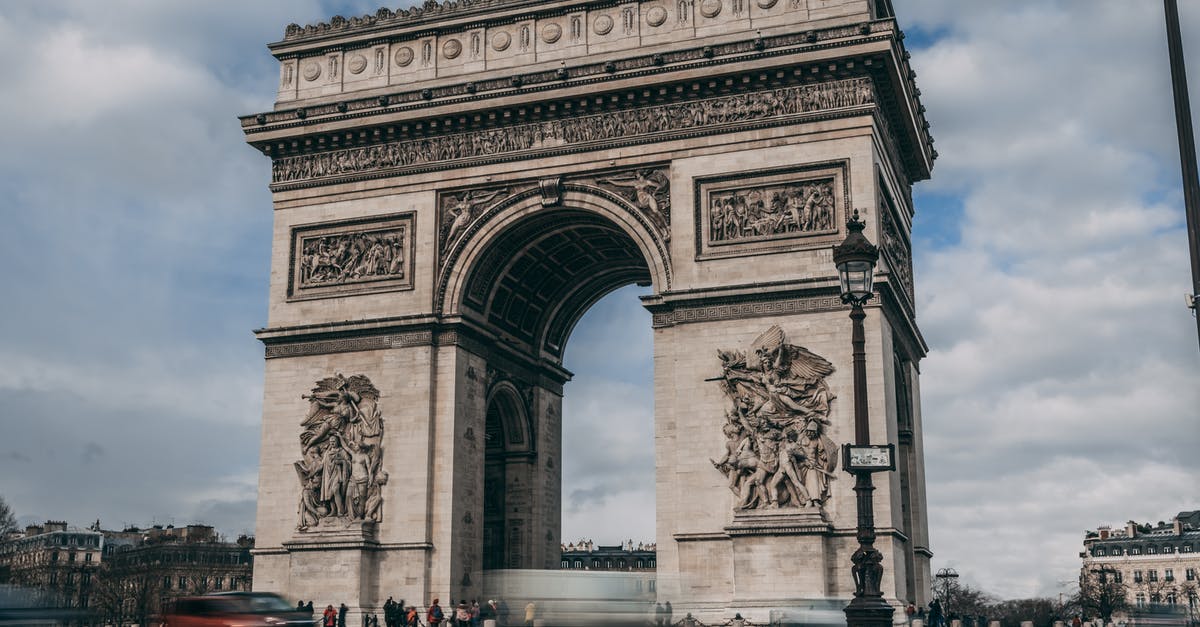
point(1060, 390)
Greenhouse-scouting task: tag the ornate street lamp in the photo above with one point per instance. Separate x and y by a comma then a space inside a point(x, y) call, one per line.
point(855, 258)
point(945, 575)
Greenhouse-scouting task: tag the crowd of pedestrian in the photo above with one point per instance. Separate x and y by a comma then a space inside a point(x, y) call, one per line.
point(397, 614)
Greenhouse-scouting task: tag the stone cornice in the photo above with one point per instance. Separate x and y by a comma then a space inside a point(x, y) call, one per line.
point(405, 332)
point(420, 16)
point(763, 299)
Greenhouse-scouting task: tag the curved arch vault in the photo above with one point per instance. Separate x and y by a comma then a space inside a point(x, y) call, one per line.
point(455, 185)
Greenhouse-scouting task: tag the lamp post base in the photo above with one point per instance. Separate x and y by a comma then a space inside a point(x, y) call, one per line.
point(864, 612)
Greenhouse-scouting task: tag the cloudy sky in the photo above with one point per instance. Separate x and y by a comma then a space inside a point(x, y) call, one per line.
point(1060, 392)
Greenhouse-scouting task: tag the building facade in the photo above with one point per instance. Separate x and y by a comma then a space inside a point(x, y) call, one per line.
point(1157, 565)
point(54, 558)
point(587, 555)
point(123, 576)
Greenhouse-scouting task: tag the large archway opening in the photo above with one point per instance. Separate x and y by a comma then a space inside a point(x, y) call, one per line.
point(530, 286)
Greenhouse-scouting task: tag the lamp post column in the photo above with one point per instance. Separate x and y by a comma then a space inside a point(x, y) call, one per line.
point(868, 609)
point(855, 258)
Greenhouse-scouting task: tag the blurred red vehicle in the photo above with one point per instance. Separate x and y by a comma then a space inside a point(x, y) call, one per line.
point(234, 609)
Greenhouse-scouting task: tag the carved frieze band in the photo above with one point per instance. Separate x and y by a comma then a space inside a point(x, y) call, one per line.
point(895, 246)
point(352, 257)
point(747, 213)
point(732, 311)
point(625, 127)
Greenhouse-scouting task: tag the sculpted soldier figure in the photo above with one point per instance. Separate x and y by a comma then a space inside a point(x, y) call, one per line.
point(340, 471)
point(776, 452)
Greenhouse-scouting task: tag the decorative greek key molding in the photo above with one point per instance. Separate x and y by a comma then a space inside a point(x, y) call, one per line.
point(637, 125)
point(732, 311)
point(352, 257)
point(349, 345)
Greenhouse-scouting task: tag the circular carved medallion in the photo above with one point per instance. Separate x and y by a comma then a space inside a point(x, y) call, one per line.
point(501, 40)
point(357, 64)
point(710, 8)
point(766, 4)
point(312, 71)
point(603, 25)
point(551, 33)
point(452, 48)
point(404, 56)
point(656, 16)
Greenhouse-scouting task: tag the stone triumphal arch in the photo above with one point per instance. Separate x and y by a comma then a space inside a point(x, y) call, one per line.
point(455, 184)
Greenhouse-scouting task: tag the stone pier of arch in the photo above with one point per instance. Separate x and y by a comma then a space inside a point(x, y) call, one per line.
point(455, 185)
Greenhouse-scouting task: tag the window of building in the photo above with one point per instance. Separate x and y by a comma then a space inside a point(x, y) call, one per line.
point(233, 583)
point(1190, 574)
point(1116, 550)
point(595, 563)
point(87, 557)
point(1135, 551)
point(85, 578)
point(71, 556)
point(566, 564)
point(1151, 550)
point(1141, 599)
point(1156, 598)
point(1193, 600)
point(219, 583)
point(54, 556)
point(1171, 599)
point(70, 579)
point(1101, 552)
point(1169, 574)
point(1187, 548)
point(1117, 576)
point(1168, 549)
point(652, 563)
point(53, 578)
point(182, 582)
point(578, 563)
point(608, 563)
point(1153, 575)
point(1137, 576)
point(653, 585)
point(622, 564)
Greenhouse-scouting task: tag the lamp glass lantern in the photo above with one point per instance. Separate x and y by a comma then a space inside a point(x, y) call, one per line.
point(855, 258)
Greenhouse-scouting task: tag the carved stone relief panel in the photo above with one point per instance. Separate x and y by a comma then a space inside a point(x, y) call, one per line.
point(340, 470)
point(458, 210)
point(777, 451)
point(766, 211)
point(895, 246)
point(352, 257)
point(649, 190)
point(646, 190)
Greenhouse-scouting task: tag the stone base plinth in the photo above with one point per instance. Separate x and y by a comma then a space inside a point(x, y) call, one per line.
point(334, 534)
point(806, 520)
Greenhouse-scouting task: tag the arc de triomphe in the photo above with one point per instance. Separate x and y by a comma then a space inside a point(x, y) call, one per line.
point(455, 184)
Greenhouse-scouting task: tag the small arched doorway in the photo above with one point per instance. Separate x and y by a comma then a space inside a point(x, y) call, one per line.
point(508, 463)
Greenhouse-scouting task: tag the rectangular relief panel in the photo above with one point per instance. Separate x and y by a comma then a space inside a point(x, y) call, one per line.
point(765, 211)
point(358, 256)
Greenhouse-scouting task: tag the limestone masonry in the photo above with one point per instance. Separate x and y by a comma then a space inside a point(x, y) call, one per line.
point(455, 184)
